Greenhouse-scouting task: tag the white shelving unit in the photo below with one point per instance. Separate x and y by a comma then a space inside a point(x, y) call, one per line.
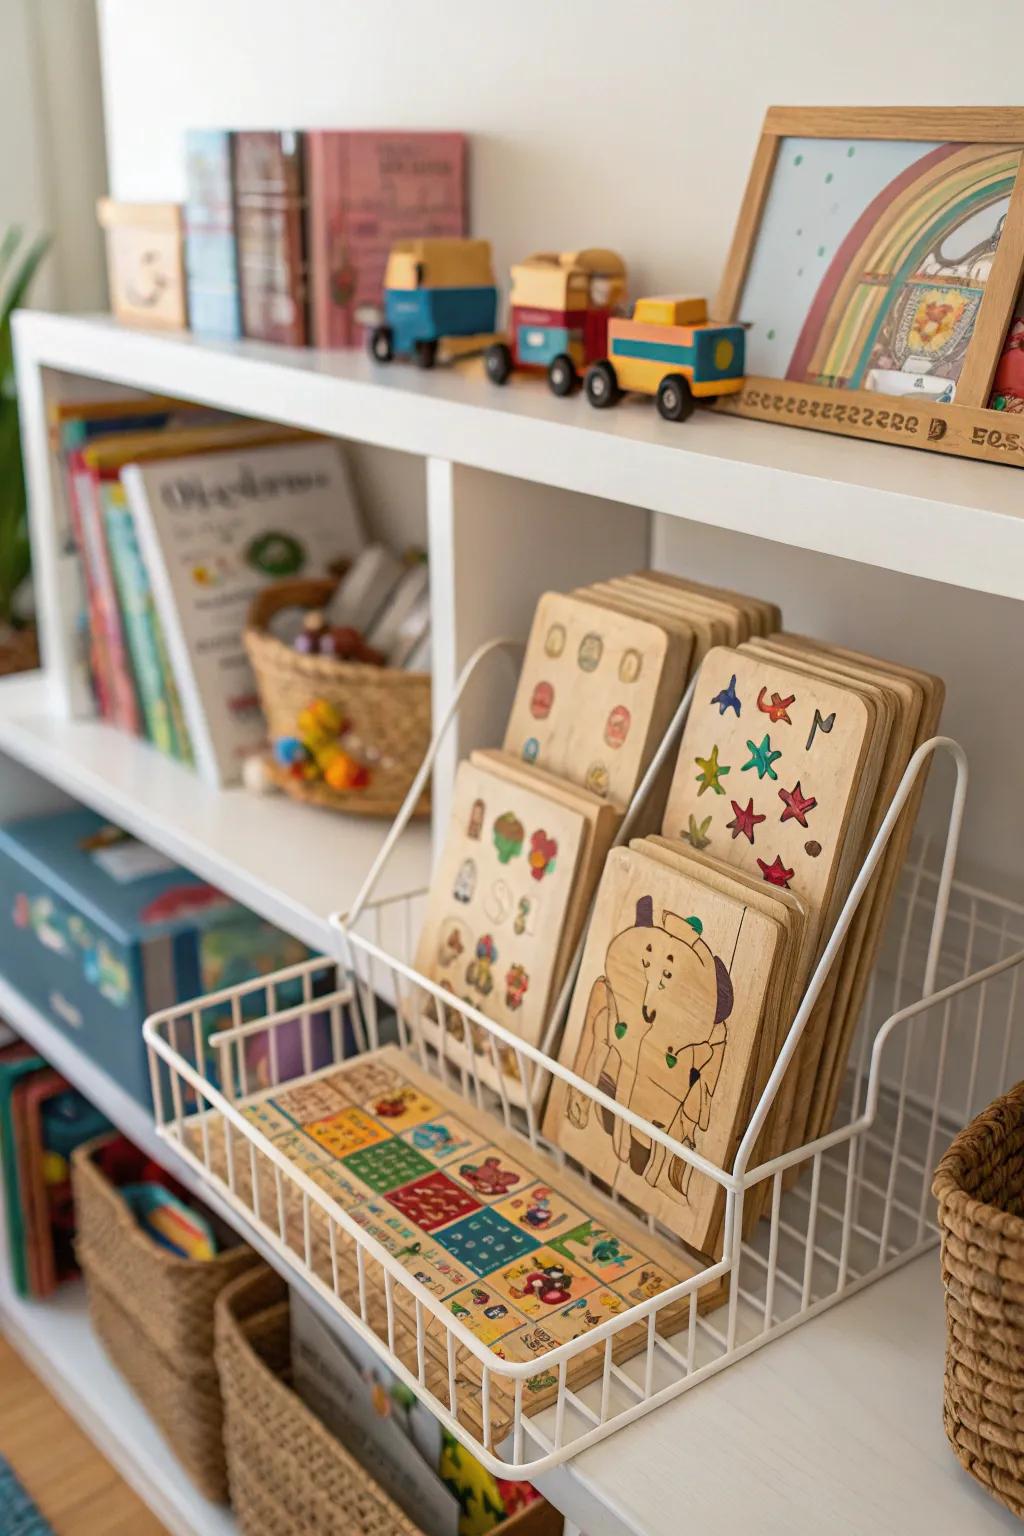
point(834, 1416)
point(230, 837)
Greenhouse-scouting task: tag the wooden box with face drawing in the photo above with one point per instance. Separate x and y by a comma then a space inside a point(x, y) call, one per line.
point(498, 901)
point(670, 1017)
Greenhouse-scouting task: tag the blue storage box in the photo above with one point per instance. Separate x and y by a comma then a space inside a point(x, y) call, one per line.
point(99, 930)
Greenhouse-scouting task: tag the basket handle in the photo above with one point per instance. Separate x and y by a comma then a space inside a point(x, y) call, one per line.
point(298, 592)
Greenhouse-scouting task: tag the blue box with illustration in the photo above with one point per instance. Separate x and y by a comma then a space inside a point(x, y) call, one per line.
point(100, 930)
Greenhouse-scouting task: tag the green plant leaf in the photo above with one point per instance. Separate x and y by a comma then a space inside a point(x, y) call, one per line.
point(14, 538)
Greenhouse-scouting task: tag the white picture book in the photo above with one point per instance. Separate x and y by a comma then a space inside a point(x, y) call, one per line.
point(214, 530)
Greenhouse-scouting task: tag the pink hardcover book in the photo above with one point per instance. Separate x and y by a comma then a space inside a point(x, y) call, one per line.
point(366, 190)
point(122, 705)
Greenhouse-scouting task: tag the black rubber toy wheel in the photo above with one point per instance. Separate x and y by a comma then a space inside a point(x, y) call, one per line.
point(498, 362)
point(426, 354)
point(601, 385)
point(562, 374)
point(675, 397)
point(381, 344)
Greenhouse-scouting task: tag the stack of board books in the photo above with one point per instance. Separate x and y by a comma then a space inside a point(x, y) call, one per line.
point(176, 517)
point(287, 233)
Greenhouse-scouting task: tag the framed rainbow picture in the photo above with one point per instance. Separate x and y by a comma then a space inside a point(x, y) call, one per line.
point(877, 266)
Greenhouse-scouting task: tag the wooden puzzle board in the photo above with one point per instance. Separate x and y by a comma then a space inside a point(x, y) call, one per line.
point(525, 1254)
point(764, 617)
point(595, 694)
point(922, 713)
point(786, 1127)
point(902, 702)
point(601, 823)
point(771, 772)
point(729, 621)
point(667, 1018)
point(791, 915)
point(499, 897)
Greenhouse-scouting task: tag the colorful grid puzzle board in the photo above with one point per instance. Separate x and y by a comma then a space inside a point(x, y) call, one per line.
point(523, 1253)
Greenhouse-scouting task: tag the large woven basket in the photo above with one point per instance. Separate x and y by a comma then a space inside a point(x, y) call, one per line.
point(386, 710)
point(289, 1475)
point(153, 1313)
point(979, 1185)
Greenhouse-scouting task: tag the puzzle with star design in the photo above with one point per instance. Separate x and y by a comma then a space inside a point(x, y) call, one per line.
point(775, 774)
point(525, 1254)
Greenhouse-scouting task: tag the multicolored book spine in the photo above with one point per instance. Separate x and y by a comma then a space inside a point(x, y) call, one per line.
point(211, 265)
point(114, 672)
point(157, 692)
point(270, 233)
point(74, 426)
point(365, 191)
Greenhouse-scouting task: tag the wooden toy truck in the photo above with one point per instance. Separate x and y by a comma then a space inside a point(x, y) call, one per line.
point(560, 308)
point(437, 293)
point(672, 351)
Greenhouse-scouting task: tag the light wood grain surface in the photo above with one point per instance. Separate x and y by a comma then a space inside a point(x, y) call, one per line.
point(75, 1487)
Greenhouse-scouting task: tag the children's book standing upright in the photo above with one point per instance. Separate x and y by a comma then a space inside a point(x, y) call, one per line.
point(367, 190)
point(215, 529)
point(210, 257)
point(270, 231)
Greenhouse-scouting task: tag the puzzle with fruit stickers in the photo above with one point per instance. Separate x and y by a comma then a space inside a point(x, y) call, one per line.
point(525, 1254)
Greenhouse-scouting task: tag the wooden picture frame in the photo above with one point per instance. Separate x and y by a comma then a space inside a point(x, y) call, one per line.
point(966, 426)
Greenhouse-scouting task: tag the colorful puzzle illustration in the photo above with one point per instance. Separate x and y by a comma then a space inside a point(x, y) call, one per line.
point(772, 763)
point(521, 1263)
point(499, 899)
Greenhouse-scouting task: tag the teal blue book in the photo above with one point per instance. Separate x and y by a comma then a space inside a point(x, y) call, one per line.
point(158, 694)
point(16, 1062)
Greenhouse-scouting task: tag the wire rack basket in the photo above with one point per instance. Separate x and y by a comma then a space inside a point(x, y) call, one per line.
point(935, 1042)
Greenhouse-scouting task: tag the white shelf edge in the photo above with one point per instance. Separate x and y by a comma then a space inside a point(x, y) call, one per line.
point(951, 520)
point(219, 834)
point(56, 1340)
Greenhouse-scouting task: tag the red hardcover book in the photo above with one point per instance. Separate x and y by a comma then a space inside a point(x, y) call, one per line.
point(366, 190)
point(270, 235)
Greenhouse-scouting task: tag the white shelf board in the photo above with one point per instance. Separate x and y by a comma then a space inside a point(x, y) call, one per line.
point(926, 514)
point(835, 1427)
point(56, 1339)
point(292, 863)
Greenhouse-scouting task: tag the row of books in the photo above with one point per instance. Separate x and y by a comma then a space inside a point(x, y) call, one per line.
point(288, 233)
point(179, 516)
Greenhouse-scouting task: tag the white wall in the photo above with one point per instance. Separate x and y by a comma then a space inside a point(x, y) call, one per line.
point(593, 121)
point(626, 125)
point(52, 164)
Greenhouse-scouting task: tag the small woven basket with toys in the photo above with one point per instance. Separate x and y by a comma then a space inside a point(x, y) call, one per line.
point(346, 731)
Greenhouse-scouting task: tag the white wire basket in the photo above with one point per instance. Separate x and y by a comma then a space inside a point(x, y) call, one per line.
point(936, 1042)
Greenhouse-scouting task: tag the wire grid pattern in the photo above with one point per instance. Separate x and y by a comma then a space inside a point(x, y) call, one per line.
point(838, 1213)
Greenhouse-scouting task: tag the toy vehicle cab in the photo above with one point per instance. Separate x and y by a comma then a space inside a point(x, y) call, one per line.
point(671, 350)
point(434, 291)
point(560, 308)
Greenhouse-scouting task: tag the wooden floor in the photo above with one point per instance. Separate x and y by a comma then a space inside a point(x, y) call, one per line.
point(74, 1486)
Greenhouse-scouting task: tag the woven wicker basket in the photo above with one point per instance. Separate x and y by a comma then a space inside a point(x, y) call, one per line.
point(289, 1475)
point(153, 1312)
point(387, 710)
point(979, 1185)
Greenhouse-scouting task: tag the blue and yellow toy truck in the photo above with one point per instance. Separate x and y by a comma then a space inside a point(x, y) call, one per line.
point(671, 350)
point(437, 294)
